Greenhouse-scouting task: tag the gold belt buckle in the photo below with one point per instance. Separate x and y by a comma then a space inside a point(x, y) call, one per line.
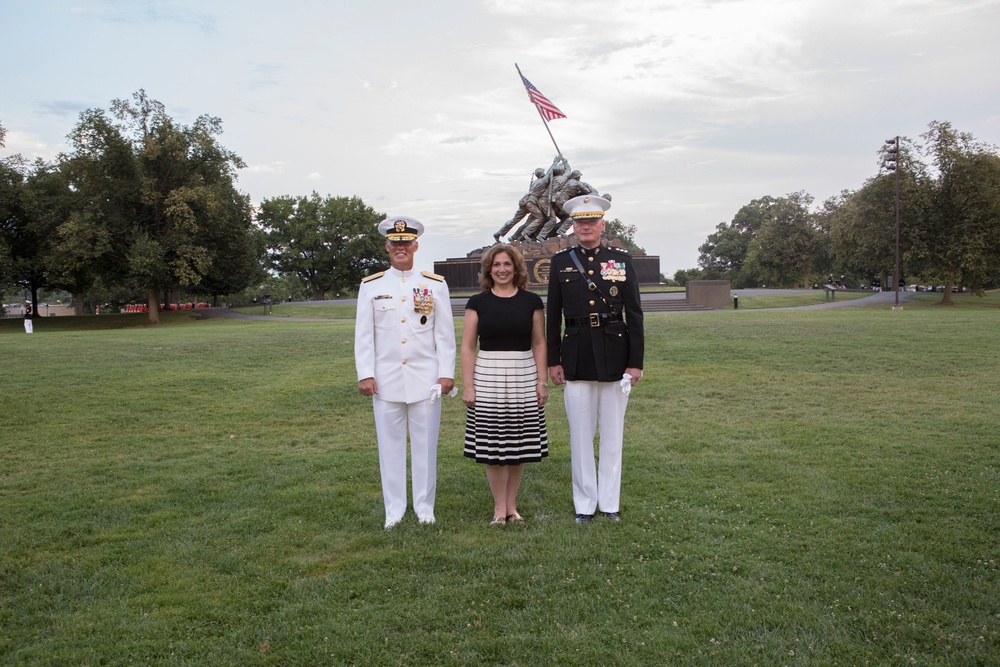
point(595, 319)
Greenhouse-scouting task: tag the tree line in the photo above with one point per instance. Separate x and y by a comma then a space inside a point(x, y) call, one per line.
point(143, 207)
point(141, 204)
point(949, 198)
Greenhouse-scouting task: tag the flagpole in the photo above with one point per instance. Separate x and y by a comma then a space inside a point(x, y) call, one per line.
point(558, 152)
point(540, 115)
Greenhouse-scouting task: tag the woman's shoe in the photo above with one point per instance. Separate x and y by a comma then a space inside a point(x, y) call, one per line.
point(498, 521)
point(515, 518)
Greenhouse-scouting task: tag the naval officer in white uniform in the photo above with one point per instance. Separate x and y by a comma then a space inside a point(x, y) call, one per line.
point(404, 350)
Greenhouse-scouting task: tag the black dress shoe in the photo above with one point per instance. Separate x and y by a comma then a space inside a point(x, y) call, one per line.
point(613, 517)
point(584, 518)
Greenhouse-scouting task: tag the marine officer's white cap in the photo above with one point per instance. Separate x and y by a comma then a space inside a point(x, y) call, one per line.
point(400, 228)
point(586, 206)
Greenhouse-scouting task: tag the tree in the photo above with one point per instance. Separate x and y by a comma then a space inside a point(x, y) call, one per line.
point(104, 174)
point(6, 260)
point(957, 241)
point(59, 248)
point(722, 255)
point(9, 200)
point(725, 251)
point(74, 256)
point(329, 243)
point(616, 229)
point(684, 276)
point(788, 244)
point(862, 223)
point(237, 263)
point(11, 212)
point(165, 193)
point(282, 287)
point(33, 202)
point(770, 240)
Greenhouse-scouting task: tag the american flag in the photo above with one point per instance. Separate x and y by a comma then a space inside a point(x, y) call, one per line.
point(548, 110)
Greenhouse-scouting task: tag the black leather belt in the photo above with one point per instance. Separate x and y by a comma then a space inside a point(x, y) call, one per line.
point(593, 320)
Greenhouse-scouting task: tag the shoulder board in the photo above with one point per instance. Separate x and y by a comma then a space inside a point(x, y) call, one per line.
point(617, 249)
point(373, 276)
point(432, 276)
point(566, 249)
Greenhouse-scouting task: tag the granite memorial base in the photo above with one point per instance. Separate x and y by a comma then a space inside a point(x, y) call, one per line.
point(711, 293)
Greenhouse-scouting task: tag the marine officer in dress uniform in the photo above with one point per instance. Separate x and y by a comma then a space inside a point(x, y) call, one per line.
point(594, 292)
point(404, 350)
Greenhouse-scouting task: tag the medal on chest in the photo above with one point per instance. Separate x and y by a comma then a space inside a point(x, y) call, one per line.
point(423, 300)
point(613, 271)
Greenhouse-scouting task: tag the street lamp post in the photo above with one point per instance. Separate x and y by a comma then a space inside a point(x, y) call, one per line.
point(892, 164)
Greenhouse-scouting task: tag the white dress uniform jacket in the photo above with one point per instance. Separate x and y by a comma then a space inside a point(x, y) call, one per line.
point(404, 350)
point(404, 337)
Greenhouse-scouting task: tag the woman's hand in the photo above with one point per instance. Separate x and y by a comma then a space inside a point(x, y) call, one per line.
point(469, 397)
point(542, 391)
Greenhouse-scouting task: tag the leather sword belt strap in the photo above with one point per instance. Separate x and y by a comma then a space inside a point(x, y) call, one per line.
point(593, 320)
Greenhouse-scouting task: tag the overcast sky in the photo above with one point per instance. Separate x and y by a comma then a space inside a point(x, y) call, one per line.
point(684, 111)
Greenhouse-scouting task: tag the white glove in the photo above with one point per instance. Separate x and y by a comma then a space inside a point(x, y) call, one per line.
point(436, 392)
point(626, 384)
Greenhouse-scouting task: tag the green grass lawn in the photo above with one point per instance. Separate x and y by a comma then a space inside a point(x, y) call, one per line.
point(800, 487)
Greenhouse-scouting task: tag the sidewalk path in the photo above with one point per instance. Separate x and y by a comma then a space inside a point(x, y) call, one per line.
point(877, 297)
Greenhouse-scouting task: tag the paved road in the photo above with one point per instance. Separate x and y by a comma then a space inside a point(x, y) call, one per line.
point(877, 297)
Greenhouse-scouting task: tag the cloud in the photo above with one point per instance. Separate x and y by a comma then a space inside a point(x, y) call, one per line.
point(265, 75)
point(423, 140)
point(137, 12)
point(368, 86)
point(29, 146)
point(61, 107)
point(273, 168)
point(683, 109)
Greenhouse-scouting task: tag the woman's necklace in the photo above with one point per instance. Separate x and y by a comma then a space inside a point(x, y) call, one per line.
point(504, 296)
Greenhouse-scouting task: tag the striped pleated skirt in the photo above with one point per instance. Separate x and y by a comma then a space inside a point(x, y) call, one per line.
point(506, 426)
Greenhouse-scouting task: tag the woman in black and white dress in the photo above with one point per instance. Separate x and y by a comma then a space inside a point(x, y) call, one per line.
point(505, 385)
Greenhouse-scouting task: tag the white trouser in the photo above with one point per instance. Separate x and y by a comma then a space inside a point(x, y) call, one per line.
point(587, 405)
point(28, 327)
point(391, 422)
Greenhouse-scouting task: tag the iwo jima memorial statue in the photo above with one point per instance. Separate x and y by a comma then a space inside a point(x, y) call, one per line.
point(539, 227)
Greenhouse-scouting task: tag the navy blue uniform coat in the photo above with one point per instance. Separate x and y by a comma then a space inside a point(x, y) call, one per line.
point(599, 353)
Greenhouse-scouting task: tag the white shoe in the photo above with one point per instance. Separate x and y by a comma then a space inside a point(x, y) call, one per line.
point(427, 522)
